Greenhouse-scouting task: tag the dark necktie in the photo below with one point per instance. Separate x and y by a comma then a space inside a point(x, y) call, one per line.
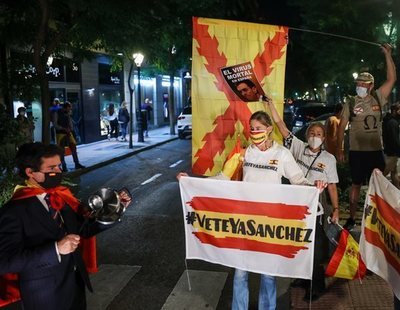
point(55, 214)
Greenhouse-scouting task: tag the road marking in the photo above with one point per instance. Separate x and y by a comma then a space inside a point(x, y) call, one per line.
point(176, 164)
point(107, 283)
point(152, 178)
point(205, 294)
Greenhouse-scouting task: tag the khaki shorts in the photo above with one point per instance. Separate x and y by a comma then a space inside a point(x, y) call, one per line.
point(390, 164)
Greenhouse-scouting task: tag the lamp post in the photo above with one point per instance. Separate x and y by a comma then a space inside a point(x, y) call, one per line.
point(130, 107)
point(138, 59)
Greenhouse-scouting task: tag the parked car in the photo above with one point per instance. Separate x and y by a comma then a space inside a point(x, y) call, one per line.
point(288, 115)
point(301, 133)
point(307, 112)
point(185, 123)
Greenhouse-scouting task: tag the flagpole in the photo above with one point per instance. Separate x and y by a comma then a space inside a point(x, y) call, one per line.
point(335, 35)
point(187, 275)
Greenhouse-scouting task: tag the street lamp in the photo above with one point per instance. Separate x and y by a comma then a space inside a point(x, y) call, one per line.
point(138, 59)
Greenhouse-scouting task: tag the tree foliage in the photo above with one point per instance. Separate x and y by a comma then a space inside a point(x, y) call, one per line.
point(315, 59)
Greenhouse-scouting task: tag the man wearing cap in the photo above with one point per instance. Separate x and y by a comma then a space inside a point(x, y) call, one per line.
point(364, 114)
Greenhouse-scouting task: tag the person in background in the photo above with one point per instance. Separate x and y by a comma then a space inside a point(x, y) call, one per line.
point(147, 109)
point(364, 114)
point(123, 119)
point(265, 161)
point(65, 135)
point(391, 142)
point(331, 129)
point(25, 125)
point(54, 108)
point(316, 164)
point(40, 230)
point(112, 117)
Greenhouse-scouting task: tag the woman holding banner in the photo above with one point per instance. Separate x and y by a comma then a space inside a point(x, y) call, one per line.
point(264, 161)
point(316, 164)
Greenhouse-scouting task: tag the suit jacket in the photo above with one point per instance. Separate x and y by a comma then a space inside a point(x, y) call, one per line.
point(27, 247)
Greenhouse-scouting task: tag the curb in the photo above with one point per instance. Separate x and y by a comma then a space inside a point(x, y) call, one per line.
point(76, 173)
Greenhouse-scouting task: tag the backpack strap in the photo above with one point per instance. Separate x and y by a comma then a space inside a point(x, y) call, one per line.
point(375, 95)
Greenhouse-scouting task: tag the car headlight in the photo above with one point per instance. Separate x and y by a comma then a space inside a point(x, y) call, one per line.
point(298, 124)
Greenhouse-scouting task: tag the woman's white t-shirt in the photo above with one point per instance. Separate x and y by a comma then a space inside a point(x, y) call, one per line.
point(270, 165)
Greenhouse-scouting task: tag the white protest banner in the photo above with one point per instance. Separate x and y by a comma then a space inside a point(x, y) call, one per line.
point(380, 232)
point(263, 228)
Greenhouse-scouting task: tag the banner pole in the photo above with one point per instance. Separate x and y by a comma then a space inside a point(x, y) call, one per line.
point(336, 35)
point(188, 277)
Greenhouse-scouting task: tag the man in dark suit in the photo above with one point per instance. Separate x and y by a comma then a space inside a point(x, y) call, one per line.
point(40, 230)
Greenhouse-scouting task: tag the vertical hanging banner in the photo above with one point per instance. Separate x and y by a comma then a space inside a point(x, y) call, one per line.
point(233, 64)
point(263, 228)
point(380, 232)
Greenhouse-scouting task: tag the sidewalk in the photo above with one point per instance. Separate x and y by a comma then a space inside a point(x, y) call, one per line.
point(97, 154)
point(371, 293)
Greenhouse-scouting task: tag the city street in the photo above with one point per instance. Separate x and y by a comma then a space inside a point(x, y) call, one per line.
point(151, 234)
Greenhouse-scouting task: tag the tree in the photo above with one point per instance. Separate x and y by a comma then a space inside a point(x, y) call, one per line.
point(55, 28)
point(332, 59)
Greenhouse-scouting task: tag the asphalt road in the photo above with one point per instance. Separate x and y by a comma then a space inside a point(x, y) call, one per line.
point(151, 234)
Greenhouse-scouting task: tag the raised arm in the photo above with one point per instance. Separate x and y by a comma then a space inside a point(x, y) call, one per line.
point(277, 119)
point(387, 86)
point(340, 138)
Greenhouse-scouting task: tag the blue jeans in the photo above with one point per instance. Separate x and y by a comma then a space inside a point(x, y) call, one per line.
point(266, 296)
point(123, 130)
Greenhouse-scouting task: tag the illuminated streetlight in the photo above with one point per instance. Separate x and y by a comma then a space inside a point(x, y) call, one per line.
point(138, 59)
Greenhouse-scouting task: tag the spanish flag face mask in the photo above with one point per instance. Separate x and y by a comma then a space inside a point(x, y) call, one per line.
point(258, 136)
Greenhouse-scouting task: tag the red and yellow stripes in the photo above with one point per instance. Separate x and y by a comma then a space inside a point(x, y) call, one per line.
point(218, 115)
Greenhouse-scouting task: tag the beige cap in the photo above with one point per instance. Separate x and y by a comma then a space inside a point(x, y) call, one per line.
point(365, 77)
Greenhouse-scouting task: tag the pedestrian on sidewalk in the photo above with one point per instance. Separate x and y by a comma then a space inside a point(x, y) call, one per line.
point(123, 119)
point(391, 142)
point(263, 150)
point(316, 164)
point(40, 231)
point(364, 114)
point(54, 108)
point(112, 117)
point(146, 110)
point(65, 135)
point(26, 125)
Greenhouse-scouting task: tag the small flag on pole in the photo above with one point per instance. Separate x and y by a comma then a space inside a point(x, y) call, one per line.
point(233, 166)
point(346, 261)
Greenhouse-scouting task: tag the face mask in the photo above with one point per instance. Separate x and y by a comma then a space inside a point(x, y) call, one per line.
point(314, 142)
point(361, 91)
point(51, 179)
point(258, 136)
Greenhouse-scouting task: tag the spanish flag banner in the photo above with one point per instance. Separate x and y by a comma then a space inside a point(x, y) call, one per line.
point(233, 65)
point(346, 261)
point(233, 166)
point(263, 228)
point(380, 237)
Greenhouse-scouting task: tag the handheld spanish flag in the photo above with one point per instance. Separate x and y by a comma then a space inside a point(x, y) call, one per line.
point(233, 166)
point(346, 261)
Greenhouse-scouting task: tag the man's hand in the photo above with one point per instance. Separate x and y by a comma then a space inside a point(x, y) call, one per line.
point(68, 244)
point(335, 216)
point(340, 155)
point(387, 48)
